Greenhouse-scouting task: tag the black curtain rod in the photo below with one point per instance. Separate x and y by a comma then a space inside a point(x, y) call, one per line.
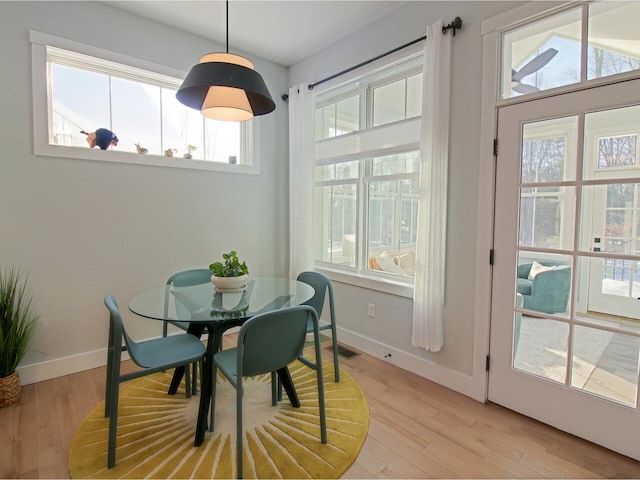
point(455, 25)
point(371, 60)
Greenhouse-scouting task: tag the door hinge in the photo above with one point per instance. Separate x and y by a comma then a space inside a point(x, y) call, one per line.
point(491, 256)
point(488, 363)
point(495, 147)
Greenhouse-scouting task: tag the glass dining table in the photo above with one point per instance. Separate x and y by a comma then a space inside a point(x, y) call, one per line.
point(205, 308)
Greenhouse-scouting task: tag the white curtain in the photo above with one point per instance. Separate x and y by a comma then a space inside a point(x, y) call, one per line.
point(301, 151)
point(428, 327)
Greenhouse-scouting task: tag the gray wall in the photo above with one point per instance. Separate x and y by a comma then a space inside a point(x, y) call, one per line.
point(83, 229)
point(391, 330)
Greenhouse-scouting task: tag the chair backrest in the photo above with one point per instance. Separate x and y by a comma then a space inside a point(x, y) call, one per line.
point(185, 278)
point(117, 333)
point(188, 278)
point(272, 340)
point(321, 284)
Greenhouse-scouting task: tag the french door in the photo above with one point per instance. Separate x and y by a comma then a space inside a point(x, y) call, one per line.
point(565, 334)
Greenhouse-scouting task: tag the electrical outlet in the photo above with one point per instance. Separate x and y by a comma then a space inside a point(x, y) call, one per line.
point(371, 310)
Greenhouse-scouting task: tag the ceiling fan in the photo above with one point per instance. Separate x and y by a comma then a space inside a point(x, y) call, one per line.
point(533, 66)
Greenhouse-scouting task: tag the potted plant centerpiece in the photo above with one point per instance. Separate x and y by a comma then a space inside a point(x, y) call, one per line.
point(17, 328)
point(230, 275)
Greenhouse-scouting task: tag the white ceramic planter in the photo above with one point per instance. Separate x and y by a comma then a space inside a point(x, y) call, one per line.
point(229, 284)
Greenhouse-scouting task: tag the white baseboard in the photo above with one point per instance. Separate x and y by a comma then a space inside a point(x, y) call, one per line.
point(444, 376)
point(59, 367)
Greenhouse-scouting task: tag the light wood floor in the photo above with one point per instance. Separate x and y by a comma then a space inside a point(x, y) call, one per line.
point(418, 429)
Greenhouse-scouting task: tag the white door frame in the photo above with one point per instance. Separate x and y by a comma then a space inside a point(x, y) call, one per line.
point(491, 33)
point(486, 183)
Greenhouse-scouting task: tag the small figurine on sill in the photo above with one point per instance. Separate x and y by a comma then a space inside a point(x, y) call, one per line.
point(102, 137)
point(141, 150)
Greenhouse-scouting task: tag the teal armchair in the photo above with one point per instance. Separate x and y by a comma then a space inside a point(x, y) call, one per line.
point(548, 292)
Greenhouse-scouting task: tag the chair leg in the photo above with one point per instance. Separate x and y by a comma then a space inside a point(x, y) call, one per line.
point(321, 405)
point(274, 389)
point(239, 427)
point(212, 413)
point(187, 382)
point(107, 394)
point(334, 341)
point(113, 427)
point(320, 380)
point(194, 378)
point(336, 367)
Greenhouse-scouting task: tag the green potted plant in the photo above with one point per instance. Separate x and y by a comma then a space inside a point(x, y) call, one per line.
point(17, 328)
point(190, 148)
point(229, 275)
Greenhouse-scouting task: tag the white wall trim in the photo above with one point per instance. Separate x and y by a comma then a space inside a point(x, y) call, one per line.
point(446, 377)
point(524, 13)
point(39, 372)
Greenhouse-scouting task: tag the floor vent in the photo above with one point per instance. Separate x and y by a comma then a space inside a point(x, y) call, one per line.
point(344, 352)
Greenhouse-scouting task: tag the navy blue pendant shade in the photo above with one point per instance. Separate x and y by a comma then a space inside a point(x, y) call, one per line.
point(225, 86)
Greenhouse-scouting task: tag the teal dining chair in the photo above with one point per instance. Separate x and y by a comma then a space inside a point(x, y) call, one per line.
point(185, 278)
point(152, 355)
point(323, 287)
point(267, 343)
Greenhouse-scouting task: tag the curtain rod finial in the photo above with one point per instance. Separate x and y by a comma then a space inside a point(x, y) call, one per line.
point(455, 25)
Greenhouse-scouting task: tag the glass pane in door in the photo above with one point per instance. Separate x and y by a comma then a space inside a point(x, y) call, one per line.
point(606, 364)
point(541, 348)
point(546, 217)
point(543, 282)
point(610, 211)
point(549, 150)
point(611, 216)
point(611, 143)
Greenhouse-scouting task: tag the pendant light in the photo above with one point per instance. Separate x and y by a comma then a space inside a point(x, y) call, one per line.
point(224, 86)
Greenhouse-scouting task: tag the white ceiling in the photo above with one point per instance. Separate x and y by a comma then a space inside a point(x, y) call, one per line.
point(282, 31)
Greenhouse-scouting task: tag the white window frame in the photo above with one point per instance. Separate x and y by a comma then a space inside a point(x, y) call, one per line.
point(41, 118)
point(341, 149)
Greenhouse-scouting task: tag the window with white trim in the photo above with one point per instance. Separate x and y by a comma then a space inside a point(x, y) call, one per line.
point(367, 173)
point(580, 45)
point(83, 93)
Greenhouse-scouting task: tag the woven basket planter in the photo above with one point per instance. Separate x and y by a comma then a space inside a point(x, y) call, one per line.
point(10, 389)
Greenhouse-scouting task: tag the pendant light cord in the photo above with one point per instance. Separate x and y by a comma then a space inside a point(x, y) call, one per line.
point(227, 26)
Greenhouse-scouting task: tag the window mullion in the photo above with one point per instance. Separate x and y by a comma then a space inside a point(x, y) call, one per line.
point(110, 102)
point(362, 222)
point(161, 100)
point(398, 214)
point(584, 44)
point(389, 177)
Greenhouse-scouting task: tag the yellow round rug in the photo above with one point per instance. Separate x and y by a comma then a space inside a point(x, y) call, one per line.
point(156, 431)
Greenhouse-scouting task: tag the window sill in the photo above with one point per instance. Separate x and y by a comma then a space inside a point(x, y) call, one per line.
point(115, 156)
point(371, 282)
